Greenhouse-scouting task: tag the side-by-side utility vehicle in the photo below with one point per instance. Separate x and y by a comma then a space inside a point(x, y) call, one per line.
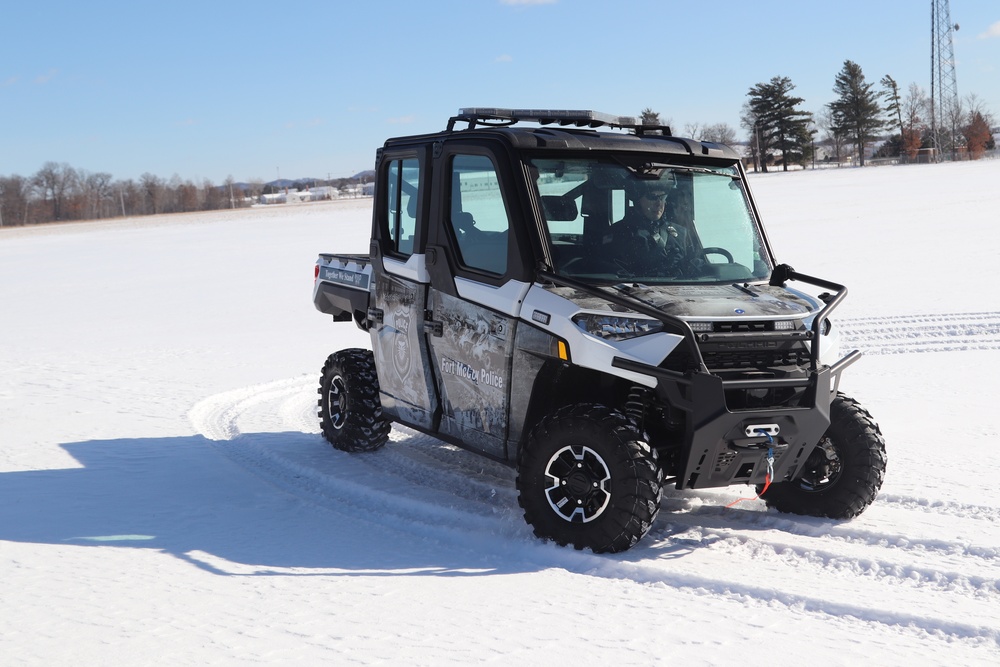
point(594, 302)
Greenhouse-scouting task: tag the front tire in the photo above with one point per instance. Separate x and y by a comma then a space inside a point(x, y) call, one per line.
point(350, 412)
point(586, 477)
point(843, 474)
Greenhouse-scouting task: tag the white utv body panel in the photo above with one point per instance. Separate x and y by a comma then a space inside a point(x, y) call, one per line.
point(589, 351)
point(415, 268)
point(506, 298)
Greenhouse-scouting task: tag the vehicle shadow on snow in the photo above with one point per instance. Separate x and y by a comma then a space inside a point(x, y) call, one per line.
point(185, 497)
point(191, 497)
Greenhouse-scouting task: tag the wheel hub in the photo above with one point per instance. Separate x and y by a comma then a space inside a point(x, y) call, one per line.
point(337, 400)
point(577, 484)
point(823, 467)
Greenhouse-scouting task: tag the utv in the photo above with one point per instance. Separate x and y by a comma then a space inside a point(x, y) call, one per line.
point(601, 310)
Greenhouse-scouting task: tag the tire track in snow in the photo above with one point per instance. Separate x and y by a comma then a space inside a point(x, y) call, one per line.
point(902, 563)
point(945, 508)
point(419, 485)
point(901, 334)
point(398, 482)
point(907, 620)
point(412, 456)
point(719, 517)
point(886, 557)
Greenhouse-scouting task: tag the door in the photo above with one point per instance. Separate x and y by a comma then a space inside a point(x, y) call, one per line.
point(406, 383)
point(473, 306)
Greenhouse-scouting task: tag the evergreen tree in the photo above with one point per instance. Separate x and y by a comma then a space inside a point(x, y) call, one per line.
point(776, 123)
point(652, 118)
point(649, 117)
point(894, 110)
point(893, 107)
point(856, 111)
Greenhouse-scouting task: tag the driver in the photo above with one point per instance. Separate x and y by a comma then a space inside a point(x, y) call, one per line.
point(646, 242)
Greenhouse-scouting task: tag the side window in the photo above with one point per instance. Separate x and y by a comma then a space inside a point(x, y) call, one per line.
point(403, 179)
point(478, 215)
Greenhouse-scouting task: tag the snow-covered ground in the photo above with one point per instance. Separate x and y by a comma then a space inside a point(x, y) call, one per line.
point(166, 498)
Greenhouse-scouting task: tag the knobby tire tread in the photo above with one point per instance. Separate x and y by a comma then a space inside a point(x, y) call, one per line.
point(365, 428)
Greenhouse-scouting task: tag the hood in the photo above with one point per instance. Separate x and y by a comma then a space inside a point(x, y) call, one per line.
point(745, 302)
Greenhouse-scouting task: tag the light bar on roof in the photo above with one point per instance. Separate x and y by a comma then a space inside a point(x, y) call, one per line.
point(580, 118)
point(576, 117)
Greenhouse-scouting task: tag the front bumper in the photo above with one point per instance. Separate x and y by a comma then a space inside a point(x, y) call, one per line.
point(722, 447)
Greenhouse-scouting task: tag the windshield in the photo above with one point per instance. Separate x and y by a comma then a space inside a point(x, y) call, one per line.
point(656, 224)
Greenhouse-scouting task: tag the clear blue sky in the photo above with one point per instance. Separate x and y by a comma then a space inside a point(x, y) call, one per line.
point(256, 89)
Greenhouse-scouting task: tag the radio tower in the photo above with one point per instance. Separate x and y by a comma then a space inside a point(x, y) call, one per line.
point(944, 87)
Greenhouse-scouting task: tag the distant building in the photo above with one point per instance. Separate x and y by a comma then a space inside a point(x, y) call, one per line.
point(276, 198)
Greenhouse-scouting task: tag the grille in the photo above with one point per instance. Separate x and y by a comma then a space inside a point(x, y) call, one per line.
point(752, 358)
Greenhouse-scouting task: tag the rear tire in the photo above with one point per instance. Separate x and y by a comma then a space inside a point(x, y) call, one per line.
point(587, 478)
point(844, 473)
point(350, 412)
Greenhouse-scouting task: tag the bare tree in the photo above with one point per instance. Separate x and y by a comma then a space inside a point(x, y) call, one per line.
point(230, 192)
point(53, 181)
point(693, 130)
point(914, 107)
point(829, 133)
point(720, 133)
point(96, 191)
point(749, 121)
point(214, 197)
point(955, 118)
point(189, 197)
point(152, 190)
point(131, 198)
point(15, 195)
point(257, 188)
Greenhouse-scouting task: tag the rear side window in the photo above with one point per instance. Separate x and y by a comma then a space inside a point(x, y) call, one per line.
point(403, 180)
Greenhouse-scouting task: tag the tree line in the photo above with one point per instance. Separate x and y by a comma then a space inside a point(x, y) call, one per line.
point(781, 132)
point(58, 192)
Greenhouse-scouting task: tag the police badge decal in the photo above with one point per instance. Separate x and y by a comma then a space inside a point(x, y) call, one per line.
point(401, 358)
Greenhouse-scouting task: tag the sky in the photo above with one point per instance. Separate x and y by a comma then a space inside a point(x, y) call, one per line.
point(258, 90)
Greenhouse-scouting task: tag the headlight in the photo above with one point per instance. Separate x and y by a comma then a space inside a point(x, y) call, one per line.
point(827, 325)
point(613, 327)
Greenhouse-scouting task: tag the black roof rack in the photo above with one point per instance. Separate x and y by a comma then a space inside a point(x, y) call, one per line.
point(494, 117)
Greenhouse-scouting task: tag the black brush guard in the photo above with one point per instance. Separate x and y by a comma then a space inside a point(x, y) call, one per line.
point(722, 447)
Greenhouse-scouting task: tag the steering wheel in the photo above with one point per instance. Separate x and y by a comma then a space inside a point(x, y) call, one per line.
point(719, 251)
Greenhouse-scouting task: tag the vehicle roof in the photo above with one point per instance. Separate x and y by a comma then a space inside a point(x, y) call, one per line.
point(561, 138)
point(569, 129)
